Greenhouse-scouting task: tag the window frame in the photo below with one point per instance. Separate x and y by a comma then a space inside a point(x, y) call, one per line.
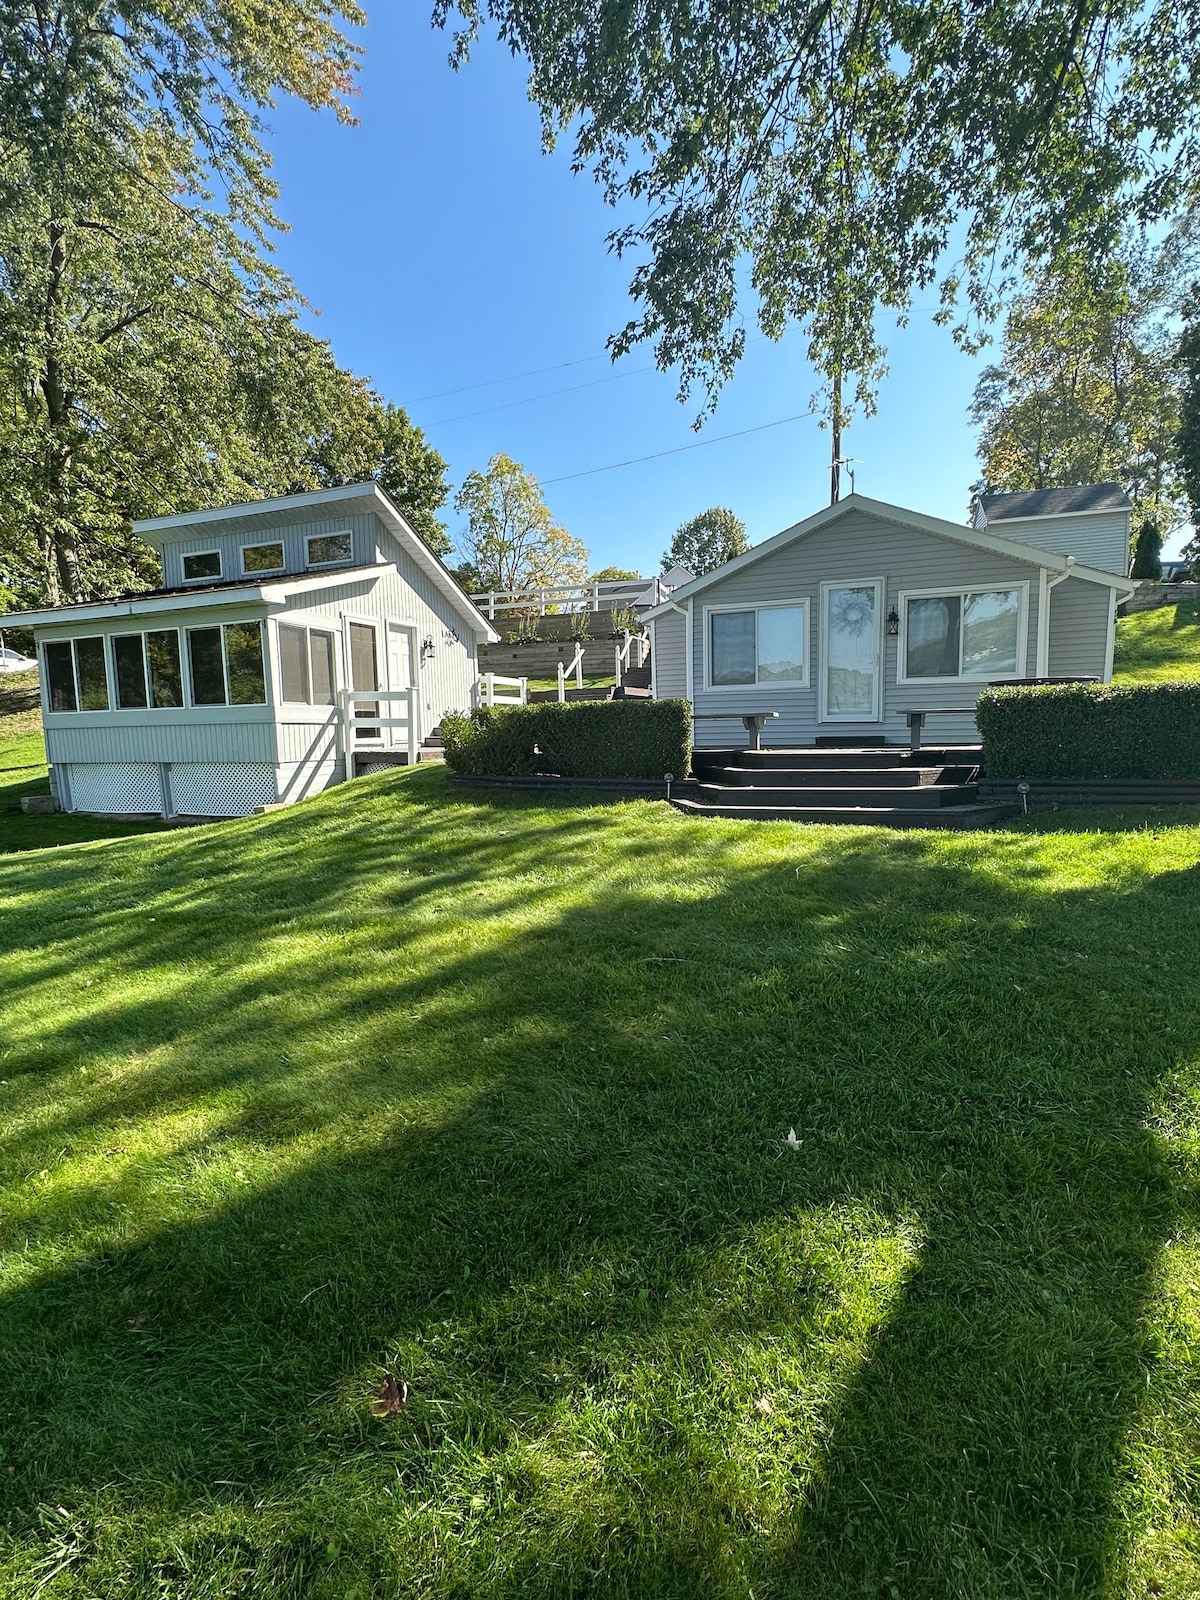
point(308, 629)
point(187, 555)
point(802, 605)
point(945, 592)
point(189, 688)
point(112, 645)
point(263, 572)
point(319, 566)
point(44, 677)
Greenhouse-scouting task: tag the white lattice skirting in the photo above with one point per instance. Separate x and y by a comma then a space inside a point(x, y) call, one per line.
point(185, 788)
point(221, 789)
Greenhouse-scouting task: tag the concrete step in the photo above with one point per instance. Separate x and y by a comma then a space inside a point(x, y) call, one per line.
point(430, 752)
point(919, 797)
point(965, 816)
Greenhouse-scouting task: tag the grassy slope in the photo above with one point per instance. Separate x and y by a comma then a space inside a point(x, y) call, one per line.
point(491, 1093)
point(1158, 645)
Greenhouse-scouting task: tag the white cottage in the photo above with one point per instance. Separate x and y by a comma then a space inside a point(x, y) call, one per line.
point(253, 676)
point(867, 617)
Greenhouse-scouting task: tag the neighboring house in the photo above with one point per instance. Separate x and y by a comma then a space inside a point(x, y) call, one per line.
point(865, 612)
point(228, 688)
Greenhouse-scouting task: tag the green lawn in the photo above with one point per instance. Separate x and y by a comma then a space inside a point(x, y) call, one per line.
point(1158, 645)
point(491, 1094)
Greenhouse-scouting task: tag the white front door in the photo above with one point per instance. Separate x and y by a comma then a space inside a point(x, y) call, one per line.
point(851, 650)
point(402, 674)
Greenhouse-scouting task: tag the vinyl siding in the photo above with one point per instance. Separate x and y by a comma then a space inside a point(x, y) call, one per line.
point(107, 736)
point(292, 532)
point(669, 656)
point(857, 547)
point(1078, 629)
point(1097, 540)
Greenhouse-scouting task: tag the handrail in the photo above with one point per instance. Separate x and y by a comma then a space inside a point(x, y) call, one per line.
point(486, 686)
point(349, 699)
point(576, 667)
point(624, 649)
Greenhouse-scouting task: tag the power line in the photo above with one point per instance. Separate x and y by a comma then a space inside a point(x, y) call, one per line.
point(490, 383)
point(506, 405)
point(679, 449)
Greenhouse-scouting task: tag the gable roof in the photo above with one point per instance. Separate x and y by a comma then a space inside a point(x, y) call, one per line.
point(979, 538)
point(351, 498)
point(1070, 501)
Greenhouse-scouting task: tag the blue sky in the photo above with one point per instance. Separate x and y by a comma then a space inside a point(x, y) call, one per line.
point(443, 251)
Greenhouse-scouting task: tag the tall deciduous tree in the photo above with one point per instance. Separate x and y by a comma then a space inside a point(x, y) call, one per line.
point(706, 541)
point(511, 539)
point(837, 149)
point(1086, 387)
point(150, 356)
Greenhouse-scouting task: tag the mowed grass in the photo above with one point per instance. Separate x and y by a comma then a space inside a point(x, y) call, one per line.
point(1159, 645)
point(492, 1094)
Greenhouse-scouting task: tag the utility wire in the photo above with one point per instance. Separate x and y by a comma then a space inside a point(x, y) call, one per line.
point(506, 405)
point(490, 383)
point(679, 449)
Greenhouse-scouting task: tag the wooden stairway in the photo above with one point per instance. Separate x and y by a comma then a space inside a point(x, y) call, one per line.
point(887, 785)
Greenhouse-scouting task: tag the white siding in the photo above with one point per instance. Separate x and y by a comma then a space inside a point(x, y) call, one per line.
point(1098, 539)
point(856, 547)
point(1078, 629)
point(116, 736)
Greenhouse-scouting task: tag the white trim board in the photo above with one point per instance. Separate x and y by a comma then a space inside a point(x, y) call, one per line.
point(770, 686)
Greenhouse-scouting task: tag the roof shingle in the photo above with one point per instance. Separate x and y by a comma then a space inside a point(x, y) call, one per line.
point(1055, 502)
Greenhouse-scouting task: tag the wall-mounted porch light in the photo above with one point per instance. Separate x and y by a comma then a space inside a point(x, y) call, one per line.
point(426, 649)
point(893, 622)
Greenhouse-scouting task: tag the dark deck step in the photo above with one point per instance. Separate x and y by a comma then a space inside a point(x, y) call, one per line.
point(907, 776)
point(965, 816)
point(916, 797)
point(876, 757)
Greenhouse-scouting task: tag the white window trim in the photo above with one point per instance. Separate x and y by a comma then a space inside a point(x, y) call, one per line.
point(376, 625)
point(184, 676)
point(44, 675)
point(187, 555)
point(342, 561)
point(135, 633)
point(876, 713)
point(328, 631)
point(263, 572)
point(905, 595)
point(802, 682)
point(205, 627)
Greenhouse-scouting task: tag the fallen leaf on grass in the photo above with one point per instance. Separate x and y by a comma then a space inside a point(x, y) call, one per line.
point(134, 1323)
point(763, 1404)
point(390, 1397)
point(791, 1141)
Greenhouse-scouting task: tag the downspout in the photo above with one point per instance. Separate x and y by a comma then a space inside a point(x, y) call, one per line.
point(1042, 667)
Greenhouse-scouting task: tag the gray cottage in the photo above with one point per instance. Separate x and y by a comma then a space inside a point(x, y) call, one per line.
point(846, 624)
point(294, 641)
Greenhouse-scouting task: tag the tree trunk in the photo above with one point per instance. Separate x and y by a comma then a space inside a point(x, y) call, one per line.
point(61, 536)
point(835, 434)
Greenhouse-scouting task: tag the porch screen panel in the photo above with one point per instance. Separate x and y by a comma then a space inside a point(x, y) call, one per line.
point(851, 645)
point(244, 661)
point(92, 671)
point(166, 672)
point(989, 635)
point(207, 672)
point(60, 672)
point(364, 672)
point(293, 664)
point(732, 647)
point(934, 625)
point(129, 658)
point(320, 646)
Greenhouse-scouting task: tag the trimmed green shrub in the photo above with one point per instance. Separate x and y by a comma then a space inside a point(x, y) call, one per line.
point(583, 739)
point(1097, 730)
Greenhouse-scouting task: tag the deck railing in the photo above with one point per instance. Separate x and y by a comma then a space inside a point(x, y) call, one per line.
point(608, 594)
point(493, 690)
point(575, 667)
point(623, 652)
point(363, 721)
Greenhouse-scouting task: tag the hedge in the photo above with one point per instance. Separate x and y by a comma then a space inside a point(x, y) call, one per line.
point(584, 739)
point(1100, 730)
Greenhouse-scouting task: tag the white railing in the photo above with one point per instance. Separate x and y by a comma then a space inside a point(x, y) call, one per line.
point(576, 667)
point(487, 686)
point(623, 653)
point(356, 722)
point(610, 594)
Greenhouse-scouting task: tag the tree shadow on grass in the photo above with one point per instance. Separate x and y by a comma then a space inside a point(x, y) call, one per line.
point(529, 1155)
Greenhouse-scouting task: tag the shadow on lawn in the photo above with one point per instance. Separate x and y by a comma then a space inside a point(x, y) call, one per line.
point(540, 1171)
